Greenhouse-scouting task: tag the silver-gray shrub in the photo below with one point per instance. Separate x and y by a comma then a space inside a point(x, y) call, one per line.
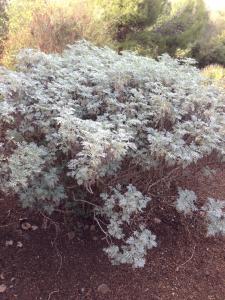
point(119, 208)
point(79, 119)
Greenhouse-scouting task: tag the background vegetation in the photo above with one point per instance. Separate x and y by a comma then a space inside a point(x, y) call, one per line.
point(151, 27)
point(181, 28)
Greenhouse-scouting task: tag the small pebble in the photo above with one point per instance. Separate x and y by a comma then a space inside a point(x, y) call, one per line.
point(103, 289)
point(9, 243)
point(19, 245)
point(86, 227)
point(71, 235)
point(3, 288)
point(26, 226)
point(34, 227)
point(157, 221)
point(92, 227)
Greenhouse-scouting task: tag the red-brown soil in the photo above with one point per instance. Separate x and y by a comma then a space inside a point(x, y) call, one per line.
point(50, 266)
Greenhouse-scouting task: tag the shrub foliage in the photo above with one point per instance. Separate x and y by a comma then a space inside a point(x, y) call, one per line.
point(74, 126)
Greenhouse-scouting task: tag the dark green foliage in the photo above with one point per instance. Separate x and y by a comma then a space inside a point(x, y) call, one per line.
point(153, 27)
point(210, 47)
point(150, 27)
point(184, 27)
point(172, 30)
point(214, 53)
point(127, 18)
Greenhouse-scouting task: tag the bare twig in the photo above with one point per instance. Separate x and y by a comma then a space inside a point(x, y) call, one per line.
point(190, 258)
point(60, 260)
point(53, 292)
point(84, 201)
point(162, 179)
point(48, 218)
point(100, 226)
point(54, 242)
point(7, 225)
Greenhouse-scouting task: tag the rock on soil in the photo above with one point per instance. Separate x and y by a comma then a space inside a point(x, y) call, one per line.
point(103, 289)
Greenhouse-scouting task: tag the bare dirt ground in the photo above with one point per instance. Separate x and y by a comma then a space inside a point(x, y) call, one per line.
point(45, 264)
